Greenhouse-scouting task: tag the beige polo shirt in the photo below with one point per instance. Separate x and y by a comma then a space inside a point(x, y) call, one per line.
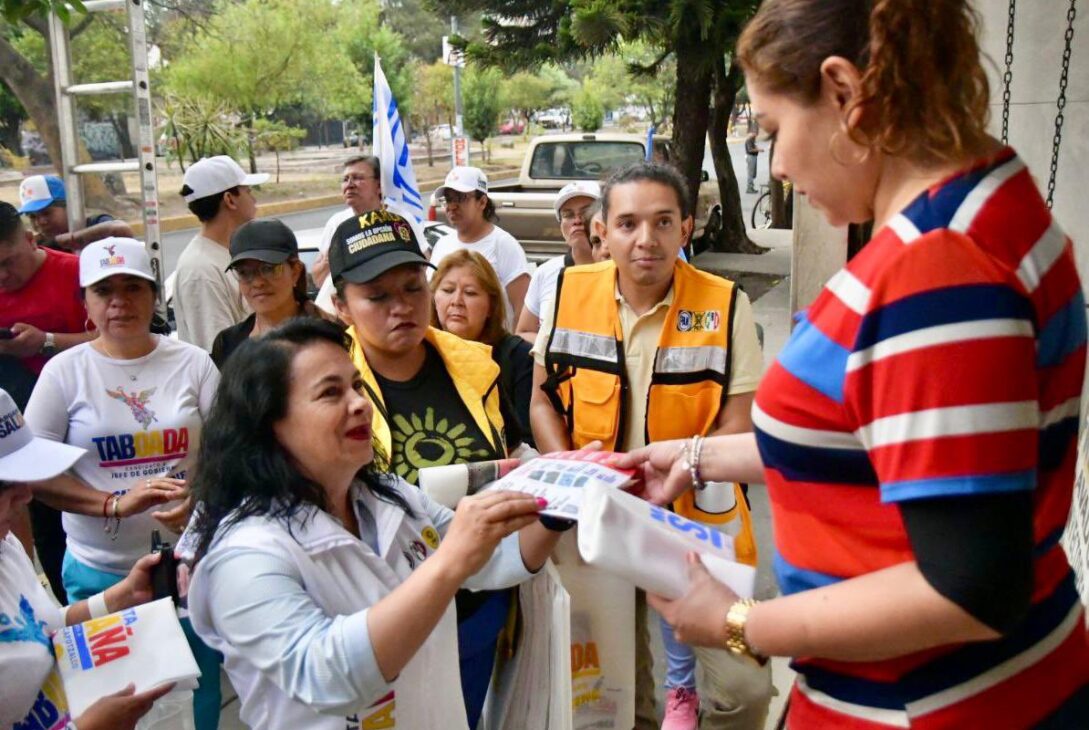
point(641, 334)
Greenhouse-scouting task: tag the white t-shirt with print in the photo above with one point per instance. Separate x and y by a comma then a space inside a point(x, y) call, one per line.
point(30, 691)
point(501, 250)
point(542, 285)
point(137, 419)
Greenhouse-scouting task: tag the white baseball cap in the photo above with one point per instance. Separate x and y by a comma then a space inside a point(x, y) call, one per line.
point(211, 175)
point(25, 457)
point(465, 180)
point(577, 189)
point(112, 256)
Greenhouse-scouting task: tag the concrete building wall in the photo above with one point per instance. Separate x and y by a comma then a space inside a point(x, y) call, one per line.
point(1038, 48)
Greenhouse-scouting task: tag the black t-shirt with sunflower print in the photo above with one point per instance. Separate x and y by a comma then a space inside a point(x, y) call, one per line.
point(429, 423)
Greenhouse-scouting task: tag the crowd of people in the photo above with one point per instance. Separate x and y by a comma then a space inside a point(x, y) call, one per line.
point(917, 434)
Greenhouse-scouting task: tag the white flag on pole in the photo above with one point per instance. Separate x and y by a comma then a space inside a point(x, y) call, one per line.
point(391, 149)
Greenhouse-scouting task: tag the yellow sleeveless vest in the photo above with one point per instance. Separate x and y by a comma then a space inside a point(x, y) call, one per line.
point(587, 380)
point(475, 376)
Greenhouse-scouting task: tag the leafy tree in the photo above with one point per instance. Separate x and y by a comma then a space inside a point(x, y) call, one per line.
point(256, 55)
point(433, 100)
point(524, 34)
point(197, 127)
point(276, 137)
point(587, 111)
point(481, 104)
point(527, 93)
point(12, 115)
point(30, 77)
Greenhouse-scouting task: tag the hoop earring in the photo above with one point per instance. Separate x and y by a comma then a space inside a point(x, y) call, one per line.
point(859, 159)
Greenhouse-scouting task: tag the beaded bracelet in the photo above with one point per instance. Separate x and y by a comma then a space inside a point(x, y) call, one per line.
point(695, 447)
point(115, 515)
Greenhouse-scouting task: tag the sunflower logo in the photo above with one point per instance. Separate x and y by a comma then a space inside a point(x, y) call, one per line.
point(420, 442)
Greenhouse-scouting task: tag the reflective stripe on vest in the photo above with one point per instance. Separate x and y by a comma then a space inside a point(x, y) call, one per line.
point(584, 344)
point(690, 359)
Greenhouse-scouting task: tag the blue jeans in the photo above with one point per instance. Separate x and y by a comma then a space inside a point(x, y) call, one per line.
point(82, 581)
point(680, 660)
point(478, 636)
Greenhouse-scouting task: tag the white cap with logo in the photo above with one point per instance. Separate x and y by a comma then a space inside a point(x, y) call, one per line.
point(25, 457)
point(577, 189)
point(211, 175)
point(465, 180)
point(112, 256)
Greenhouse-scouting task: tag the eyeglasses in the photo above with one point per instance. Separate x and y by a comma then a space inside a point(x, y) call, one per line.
point(265, 271)
point(457, 198)
point(567, 214)
point(348, 179)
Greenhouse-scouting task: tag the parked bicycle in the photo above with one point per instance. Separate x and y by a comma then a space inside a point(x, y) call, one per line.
point(761, 212)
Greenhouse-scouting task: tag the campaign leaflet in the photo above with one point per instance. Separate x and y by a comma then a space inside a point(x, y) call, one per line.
point(143, 645)
point(562, 477)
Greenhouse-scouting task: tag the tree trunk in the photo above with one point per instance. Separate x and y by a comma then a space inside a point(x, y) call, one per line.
point(691, 111)
point(250, 153)
point(734, 238)
point(35, 93)
point(776, 196)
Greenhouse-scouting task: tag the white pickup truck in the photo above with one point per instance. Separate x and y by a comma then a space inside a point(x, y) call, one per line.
point(552, 161)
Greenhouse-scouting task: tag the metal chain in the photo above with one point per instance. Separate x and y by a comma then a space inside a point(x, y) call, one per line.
point(1007, 78)
point(1061, 102)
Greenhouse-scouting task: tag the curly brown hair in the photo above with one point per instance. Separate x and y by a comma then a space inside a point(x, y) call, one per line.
point(924, 90)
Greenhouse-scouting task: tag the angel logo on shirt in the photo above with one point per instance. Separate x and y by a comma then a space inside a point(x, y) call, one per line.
point(137, 403)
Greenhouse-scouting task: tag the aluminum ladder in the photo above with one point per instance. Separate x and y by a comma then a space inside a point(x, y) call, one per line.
point(139, 86)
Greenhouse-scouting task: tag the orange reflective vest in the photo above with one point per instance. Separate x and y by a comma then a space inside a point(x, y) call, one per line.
point(588, 383)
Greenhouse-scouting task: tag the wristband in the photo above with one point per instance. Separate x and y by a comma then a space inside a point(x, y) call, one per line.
point(106, 506)
point(556, 524)
point(96, 604)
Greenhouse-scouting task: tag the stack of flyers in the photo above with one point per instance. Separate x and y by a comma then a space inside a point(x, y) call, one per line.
point(143, 645)
point(560, 478)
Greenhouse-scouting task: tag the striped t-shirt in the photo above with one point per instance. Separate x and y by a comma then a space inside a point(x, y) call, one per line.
point(945, 359)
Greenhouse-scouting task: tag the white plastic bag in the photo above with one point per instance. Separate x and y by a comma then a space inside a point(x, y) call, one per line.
point(602, 646)
point(143, 645)
point(533, 690)
point(647, 544)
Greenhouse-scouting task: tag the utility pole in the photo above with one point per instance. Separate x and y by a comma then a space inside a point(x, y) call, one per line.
point(457, 133)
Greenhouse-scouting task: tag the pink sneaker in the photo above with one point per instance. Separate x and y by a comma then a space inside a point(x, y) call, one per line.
point(682, 709)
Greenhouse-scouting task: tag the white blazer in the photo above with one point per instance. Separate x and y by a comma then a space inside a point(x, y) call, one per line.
point(345, 576)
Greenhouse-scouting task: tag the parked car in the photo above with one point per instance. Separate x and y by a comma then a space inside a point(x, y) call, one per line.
point(525, 205)
point(512, 126)
point(552, 118)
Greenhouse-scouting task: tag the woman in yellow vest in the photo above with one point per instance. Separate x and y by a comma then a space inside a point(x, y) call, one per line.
point(435, 395)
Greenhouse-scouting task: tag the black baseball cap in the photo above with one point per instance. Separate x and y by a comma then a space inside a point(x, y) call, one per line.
point(366, 246)
point(268, 240)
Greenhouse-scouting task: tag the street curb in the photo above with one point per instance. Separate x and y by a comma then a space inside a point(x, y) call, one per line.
point(280, 207)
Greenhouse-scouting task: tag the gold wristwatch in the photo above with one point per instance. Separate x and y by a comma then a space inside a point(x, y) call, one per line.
point(736, 618)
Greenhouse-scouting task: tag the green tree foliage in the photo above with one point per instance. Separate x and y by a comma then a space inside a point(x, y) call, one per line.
point(587, 111)
point(698, 34)
point(527, 93)
point(481, 104)
point(12, 115)
point(196, 127)
point(276, 137)
point(14, 11)
point(432, 101)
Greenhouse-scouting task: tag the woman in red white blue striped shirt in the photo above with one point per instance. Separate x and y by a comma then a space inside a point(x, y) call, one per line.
point(918, 432)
